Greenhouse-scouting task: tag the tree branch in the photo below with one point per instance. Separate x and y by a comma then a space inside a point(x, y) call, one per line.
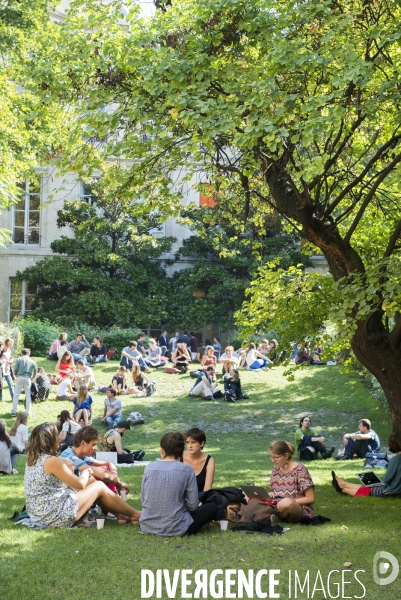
point(393, 240)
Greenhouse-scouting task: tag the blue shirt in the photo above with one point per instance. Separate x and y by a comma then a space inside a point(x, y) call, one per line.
point(85, 404)
point(79, 462)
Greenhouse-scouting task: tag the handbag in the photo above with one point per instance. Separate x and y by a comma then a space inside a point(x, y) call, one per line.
point(69, 438)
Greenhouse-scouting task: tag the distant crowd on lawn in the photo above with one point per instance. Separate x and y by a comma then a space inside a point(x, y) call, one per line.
point(66, 486)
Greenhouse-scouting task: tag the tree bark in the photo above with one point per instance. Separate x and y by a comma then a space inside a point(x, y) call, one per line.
point(371, 343)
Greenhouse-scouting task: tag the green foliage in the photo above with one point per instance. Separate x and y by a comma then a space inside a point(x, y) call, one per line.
point(15, 333)
point(113, 274)
point(38, 335)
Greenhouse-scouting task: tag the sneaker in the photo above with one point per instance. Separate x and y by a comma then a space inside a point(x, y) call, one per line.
point(139, 454)
point(274, 520)
point(328, 454)
point(109, 516)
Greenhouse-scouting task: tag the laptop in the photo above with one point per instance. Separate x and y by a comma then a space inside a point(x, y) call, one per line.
point(369, 479)
point(259, 492)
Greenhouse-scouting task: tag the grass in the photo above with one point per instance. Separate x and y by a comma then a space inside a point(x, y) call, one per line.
point(81, 564)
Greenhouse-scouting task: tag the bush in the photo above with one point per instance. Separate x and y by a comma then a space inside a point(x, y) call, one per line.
point(39, 335)
point(14, 332)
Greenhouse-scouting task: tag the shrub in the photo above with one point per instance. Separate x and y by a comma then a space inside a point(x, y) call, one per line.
point(38, 335)
point(14, 332)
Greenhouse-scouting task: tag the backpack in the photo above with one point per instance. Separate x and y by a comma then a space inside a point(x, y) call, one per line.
point(150, 389)
point(308, 453)
point(230, 396)
point(135, 418)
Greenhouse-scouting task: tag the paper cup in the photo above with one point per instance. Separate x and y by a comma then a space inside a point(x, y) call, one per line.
point(100, 523)
point(123, 494)
point(223, 525)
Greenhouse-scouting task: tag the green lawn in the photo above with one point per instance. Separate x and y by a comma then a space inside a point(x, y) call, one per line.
point(84, 564)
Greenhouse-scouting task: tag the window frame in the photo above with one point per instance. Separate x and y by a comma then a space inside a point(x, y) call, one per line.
point(24, 311)
point(26, 195)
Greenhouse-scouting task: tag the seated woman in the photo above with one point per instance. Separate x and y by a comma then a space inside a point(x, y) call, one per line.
point(55, 497)
point(208, 359)
point(83, 402)
point(228, 359)
point(181, 358)
point(264, 347)
point(153, 359)
point(255, 360)
point(65, 365)
point(391, 478)
point(56, 345)
point(176, 511)
point(68, 428)
point(5, 451)
point(292, 488)
point(139, 382)
point(303, 354)
point(232, 383)
point(195, 440)
point(119, 381)
point(64, 389)
point(84, 375)
point(19, 435)
point(98, 351)
point(44, 385)
point(308, 442)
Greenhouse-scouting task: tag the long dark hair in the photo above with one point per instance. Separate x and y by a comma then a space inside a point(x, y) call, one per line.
point(64, 417)
point(43, 440)
point(4, 437)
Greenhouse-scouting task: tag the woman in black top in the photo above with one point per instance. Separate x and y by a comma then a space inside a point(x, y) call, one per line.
point(204, 467)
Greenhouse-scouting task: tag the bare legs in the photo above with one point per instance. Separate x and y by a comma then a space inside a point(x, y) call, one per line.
point(82, 413)
point(289, 511)
point(107, 500)
point(348, 488)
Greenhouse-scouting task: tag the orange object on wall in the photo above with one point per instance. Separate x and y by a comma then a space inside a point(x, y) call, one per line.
point(206, 200)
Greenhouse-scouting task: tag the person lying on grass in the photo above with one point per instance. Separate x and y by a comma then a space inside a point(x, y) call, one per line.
point(81, 454)
point(175, 512)
point(391, 478)
point(194, 456)
point(55, 497)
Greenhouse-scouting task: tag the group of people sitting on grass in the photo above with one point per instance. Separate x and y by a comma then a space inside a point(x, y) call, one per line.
point(177, 494)
point(80, 348)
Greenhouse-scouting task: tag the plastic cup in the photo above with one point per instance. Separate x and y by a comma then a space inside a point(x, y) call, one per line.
point(100, 523)
point(223, 525)
point(123, 495)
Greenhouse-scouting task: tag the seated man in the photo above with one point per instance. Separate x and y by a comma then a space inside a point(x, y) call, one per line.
point(112, 442)
point(141, 344)
point(81, 454)
point(362, 441)
point(204, 385)
point(79, 347)
point(112, 409)
point(130, 356)
point(308, 442)
point(229, 359)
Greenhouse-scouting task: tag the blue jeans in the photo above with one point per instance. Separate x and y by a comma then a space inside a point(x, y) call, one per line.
point(358, 447)
point(101, 359)
point(112, 421)
point(127, 363)
point(10, 384)
point(77, 357)
point(307, 441)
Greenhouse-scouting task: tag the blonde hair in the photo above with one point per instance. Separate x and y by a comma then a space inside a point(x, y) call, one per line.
point(82, 394)
point(8, 342)
point(280, 447)
point(21, 419)
point(43, 440)
point(152, 341)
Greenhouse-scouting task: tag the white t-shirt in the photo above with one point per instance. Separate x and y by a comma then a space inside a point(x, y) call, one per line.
point(80, 374)
point(20, 437)
point(74, 426)
point(62, 388)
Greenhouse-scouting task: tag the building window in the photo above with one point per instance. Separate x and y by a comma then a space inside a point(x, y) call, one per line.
point(85, 193)
point(22, 297)
point(26, 217)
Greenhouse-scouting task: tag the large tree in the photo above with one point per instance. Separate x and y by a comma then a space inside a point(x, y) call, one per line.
point(298, 102)
point(109, 272)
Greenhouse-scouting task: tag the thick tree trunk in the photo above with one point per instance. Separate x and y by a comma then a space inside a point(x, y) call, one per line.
point(373, 345)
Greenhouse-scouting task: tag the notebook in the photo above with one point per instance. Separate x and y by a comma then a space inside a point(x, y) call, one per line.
point(256, 491)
